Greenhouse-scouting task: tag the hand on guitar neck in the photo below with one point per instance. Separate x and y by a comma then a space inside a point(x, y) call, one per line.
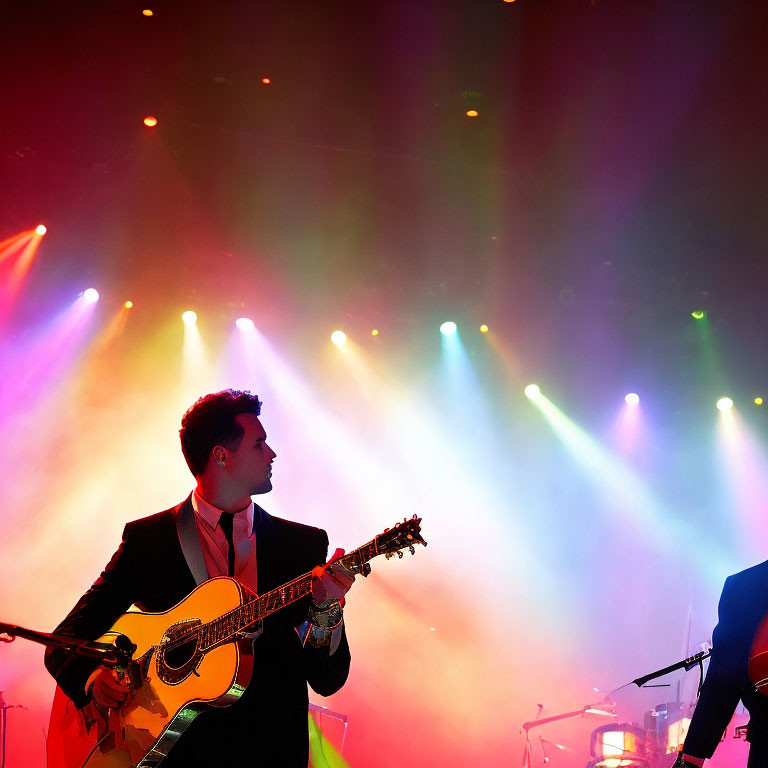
point(330, 582)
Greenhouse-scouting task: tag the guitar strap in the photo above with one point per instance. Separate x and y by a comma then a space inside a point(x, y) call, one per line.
point(186, 528)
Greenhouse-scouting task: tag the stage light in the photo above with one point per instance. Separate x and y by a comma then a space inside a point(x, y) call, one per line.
point(41, 229)
point(245, 323)
point(189, 317)
point(90, 295)
point(266, 80)
point(128, 304)
point(147, 12)
point(532, 391)
point(448, 328)
point(339, 338)
point(150, 121)
point(697, 314)
point(472, 113)
point(724, 403)
point(375, 332)
point(483, 328)
point(632, 398)
point(758, 401)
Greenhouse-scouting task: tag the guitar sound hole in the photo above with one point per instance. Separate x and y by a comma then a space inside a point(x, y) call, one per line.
point(179, 655)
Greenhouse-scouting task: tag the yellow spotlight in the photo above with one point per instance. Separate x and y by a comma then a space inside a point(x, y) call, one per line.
point(483, 328)
point(758, 401)
point(724, 403)
point(472, 113)
point(41, 229)
point(147, 12)
point(697, 314)
point(532, 391)
point(339, 338)
point(375, 332)
point(189, 317)
point(128, 304)
point(150, 121)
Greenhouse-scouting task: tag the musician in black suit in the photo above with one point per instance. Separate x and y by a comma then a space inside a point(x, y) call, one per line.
point(743, 604)
point(217, 531)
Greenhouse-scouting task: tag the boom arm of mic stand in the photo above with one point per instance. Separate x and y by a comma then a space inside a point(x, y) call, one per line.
point(686, 664)
point(104, 651)
point(544, 720)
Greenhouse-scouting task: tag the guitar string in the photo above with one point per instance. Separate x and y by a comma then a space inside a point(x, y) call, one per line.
point(358, 557)
point(222, 620)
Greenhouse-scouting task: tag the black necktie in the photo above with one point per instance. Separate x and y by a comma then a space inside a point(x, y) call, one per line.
point(226, 522)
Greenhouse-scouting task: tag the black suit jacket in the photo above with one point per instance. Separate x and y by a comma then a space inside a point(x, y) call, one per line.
point(743, 604)
point(267, 726)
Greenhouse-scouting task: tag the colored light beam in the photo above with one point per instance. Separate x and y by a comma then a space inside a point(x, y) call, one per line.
point(195, 367)
point(708, 356)
point(423, 444)
point(627, 428)
point(19, 252)
point(466, 406)
point(321, 751)
point(333, 445)
point(629, 496)
point(745, 471)
point(58, 346)
point(11, 245)
point(240, 361)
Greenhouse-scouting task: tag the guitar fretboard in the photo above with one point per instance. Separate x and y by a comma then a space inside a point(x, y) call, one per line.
point(224, 627)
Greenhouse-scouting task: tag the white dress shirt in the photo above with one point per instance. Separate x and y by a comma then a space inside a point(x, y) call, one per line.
point(215, 545)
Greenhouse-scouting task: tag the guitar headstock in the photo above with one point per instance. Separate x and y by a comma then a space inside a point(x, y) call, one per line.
point(392, 542)
point(403, 536)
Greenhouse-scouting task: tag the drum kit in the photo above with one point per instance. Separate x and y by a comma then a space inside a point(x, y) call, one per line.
point(654, 744)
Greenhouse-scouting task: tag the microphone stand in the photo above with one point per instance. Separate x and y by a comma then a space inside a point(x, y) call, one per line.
point(113, 655)
point(527, 761)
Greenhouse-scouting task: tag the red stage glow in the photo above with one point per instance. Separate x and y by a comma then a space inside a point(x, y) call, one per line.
point(150, 121)
point(265, 80)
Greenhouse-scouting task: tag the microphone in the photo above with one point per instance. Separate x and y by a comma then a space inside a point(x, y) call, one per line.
point(686, 664)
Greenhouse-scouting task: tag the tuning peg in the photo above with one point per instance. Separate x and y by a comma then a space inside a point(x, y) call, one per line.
point(389, 555)
point(400, 554)
point(413, 549)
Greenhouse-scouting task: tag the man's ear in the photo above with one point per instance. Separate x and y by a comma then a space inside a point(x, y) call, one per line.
point(219, 455)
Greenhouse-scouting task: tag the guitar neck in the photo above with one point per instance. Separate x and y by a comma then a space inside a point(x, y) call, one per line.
point(241, 618)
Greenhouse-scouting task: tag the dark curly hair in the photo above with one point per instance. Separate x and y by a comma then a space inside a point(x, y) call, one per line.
point(211, 422)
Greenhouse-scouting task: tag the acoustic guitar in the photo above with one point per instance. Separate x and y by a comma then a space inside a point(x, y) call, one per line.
point(183, 661)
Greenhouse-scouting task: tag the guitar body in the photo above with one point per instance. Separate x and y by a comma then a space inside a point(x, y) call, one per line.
point(757, 667)
point(173, 685)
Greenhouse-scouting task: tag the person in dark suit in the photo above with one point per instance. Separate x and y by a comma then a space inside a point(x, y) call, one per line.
point(743, 604)
point(218, 531)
